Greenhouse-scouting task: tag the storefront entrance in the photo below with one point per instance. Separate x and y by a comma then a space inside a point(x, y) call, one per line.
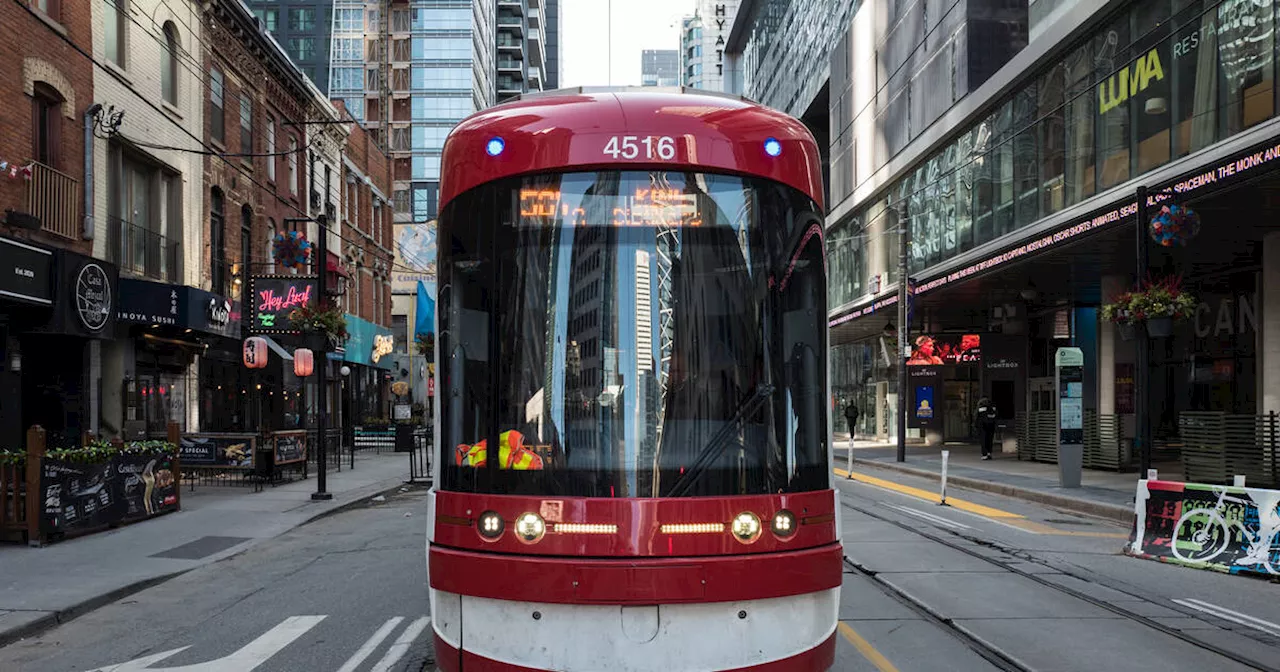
point(960, 400)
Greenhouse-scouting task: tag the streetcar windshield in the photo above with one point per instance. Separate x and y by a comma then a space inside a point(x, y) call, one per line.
point(632, 334)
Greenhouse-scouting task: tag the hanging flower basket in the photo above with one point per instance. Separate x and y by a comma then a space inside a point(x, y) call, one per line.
point(324, 328)
point(1118, 312)
point(1159, 303)
point(1175, 226)
point(291, 249)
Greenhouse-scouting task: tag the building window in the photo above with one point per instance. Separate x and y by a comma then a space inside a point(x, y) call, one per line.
point(46, 118)
point(218, 112)
point(246, 239)
point(268, 17)
point(246, 124)
point(271, 149)
point(51, 8)
point(217, 243)
point(113, 29)
point(348, 49)
point(302, 20)
point(269, 254)
point(293, 166)
point(302, 48)
point(143, 202)
point(349, 20)
point(169, 65)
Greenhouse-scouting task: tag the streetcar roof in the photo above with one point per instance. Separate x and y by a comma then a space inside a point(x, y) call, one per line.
point(586, 128)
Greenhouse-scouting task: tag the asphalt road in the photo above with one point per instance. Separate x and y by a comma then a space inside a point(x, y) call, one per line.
point(989, 583)
point(310, 600)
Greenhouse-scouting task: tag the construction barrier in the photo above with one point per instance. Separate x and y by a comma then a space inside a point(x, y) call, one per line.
point(1224, 528)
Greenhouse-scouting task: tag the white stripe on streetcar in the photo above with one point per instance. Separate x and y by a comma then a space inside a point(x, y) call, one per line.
point(939, 520)
point(1233, 616)
point(401, 647)
point(371, 645)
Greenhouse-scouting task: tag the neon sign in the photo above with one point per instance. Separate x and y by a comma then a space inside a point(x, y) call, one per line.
point(275, 297)
point(382, 345)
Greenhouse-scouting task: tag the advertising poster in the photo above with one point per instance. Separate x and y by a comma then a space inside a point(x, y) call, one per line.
point(146, 485)
point(290, 447)
point(415, 257)
point(945, 349)
point(77, 495)
point(924, 404)
point(228, 451)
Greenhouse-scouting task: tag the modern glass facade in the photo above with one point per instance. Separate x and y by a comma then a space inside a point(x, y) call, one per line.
point(1159, 80)
point(704, 38)
point(659, 67)
point(784, 48)
point(302, 28)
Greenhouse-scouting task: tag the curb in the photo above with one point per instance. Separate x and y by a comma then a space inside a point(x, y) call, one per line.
point(1110, 512)
point(53, 619)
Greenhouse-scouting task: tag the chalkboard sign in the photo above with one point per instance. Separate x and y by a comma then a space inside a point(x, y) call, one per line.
point(146, 484)
point(290, 447)
point(227, 451)
point(77, 495)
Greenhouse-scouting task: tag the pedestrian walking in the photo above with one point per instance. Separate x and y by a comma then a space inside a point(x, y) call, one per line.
point(851, 414)
point(986, 421)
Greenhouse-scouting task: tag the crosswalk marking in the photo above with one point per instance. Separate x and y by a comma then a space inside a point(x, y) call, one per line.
point(937, 520)
point(397, 650)
point(371, 645)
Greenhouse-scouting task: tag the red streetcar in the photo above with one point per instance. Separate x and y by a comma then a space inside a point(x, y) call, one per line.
point(633, 468)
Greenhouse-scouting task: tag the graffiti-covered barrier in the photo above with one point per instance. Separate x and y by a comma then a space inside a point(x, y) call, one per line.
point(1224, 528)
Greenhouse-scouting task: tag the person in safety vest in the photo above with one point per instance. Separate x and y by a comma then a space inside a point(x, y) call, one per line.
point(512, 453)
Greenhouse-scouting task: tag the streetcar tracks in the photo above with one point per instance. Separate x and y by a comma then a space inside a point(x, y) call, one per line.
point(992, 654)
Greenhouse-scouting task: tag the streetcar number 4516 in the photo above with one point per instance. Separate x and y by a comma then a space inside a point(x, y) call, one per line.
point(632, 147)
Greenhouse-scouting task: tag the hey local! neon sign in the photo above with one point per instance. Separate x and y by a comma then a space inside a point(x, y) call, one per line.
point(275, 297)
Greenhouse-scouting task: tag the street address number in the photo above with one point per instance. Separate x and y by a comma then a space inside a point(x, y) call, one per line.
point(661, 147)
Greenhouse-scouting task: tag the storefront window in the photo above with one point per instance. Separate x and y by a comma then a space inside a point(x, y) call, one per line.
point(1079, 115)
point(1246, 58)
point(846, 250)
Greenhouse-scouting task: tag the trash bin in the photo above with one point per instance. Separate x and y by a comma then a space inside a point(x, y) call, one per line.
point(1070, 464)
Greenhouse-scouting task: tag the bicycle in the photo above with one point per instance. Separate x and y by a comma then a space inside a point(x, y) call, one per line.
point(1214, 534)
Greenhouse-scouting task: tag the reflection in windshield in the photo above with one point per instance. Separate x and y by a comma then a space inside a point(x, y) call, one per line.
point(649, 332)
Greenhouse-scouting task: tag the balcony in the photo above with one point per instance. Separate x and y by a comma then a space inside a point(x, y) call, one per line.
point(510, 85)
point(53, 197)
point(142, 252)
point(507, 63)
point(511, 23)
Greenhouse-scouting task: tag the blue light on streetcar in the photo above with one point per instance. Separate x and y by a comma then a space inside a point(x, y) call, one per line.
point(495, 146)
point(772, 147)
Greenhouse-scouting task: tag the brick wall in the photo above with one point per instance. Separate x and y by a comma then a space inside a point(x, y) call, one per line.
point(360, 224)
point(34, 50)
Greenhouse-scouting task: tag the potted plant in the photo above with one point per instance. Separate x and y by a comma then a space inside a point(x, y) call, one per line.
point(321, 321)
point(1120, 313)
point(1161, 302)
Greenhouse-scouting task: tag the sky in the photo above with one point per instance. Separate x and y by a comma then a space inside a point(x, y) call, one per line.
point(637, 25)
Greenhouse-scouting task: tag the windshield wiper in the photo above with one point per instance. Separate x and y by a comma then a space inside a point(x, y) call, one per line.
point(712, 451)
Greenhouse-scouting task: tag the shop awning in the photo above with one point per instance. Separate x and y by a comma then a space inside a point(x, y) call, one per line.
point(334, 265)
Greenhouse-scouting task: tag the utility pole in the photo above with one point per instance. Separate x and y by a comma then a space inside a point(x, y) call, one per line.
point(1142, 378)
point(322, 373)
point(904, 295)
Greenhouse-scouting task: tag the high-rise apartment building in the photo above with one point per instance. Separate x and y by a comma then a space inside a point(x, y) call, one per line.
point(703, 38)
point(660, 67)
point(527, 46)
point(303, 28)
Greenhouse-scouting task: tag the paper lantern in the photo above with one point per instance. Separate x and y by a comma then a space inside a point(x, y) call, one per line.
point(303, 362)
point(255, 352)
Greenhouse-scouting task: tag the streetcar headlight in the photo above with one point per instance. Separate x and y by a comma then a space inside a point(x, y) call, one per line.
point(490, 525)
point(495, 146)
point(784, 523)
point(746, 527)
point(530, 528)
point(772, 147)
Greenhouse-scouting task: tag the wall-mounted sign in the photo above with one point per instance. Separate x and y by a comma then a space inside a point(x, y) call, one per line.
point(1129, 81)
point(275, 297)
point(145, 302)
point(290, 446)
point(26, 272)
point(219, 312)
point(93, 297)
point(382, 345)
point(946, 349)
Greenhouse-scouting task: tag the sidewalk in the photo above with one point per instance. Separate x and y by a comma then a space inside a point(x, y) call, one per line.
point(1103, 494)
point(41, 587)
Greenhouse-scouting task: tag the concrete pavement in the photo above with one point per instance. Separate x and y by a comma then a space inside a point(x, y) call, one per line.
point(1102, 494)
point(41, 587)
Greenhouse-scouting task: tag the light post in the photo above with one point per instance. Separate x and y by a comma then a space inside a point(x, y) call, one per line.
point(322, 375)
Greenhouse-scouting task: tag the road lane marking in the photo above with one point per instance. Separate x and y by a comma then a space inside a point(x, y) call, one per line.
point(960, 504)
point(937, 520)
point(1233, 616)
point(397, 650)
point(864, 647)
point(371, 645)
point(249, 657)
point(1040, 528)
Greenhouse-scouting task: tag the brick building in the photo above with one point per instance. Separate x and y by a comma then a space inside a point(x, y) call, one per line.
point(366, 226)
point(55, 299)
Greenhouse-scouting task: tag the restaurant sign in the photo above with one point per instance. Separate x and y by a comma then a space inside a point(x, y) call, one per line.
point(275, 297)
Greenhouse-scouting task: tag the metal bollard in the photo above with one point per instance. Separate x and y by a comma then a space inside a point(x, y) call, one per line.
point(946, 456)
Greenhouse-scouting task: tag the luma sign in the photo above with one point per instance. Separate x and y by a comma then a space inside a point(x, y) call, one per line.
point(1129, 82)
